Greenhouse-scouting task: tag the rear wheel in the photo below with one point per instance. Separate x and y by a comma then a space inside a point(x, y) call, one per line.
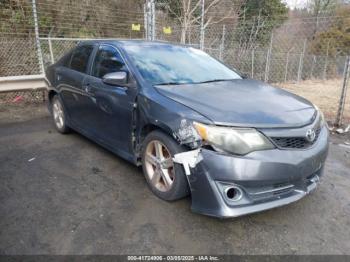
point(165, 178)
point(58, 115)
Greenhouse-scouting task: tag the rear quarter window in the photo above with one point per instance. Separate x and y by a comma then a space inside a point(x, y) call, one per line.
point(65, 60)
point(80, 58)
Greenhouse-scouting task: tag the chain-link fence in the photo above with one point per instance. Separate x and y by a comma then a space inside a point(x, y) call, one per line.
point(306, 55)
point(296, 66)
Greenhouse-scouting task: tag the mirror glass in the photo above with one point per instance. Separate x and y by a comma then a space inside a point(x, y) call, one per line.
point(116, 78)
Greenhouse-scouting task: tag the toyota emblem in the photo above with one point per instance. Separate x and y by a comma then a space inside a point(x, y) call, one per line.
point(310, 135)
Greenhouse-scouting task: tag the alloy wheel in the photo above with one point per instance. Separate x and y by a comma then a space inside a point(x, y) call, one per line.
point(58, 114)
point(159, 166)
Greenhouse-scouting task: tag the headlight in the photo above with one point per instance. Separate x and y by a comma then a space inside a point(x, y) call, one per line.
point(322, 119)
point(238, 141)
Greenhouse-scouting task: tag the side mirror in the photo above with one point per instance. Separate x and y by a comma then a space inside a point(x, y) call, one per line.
point(116, 78)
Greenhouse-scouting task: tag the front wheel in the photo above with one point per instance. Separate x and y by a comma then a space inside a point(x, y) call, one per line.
point(165, 178)
point(58, 115)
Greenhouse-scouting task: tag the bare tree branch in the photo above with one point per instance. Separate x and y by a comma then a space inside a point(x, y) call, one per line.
point(194, 8)
point(210, 22)
point(212, 4)
point(187, 17)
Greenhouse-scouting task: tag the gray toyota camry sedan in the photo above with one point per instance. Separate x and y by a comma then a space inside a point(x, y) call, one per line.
point(196, 126)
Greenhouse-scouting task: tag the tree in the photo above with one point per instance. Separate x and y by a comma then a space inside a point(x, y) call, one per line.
point(258, 19)
point(336, 39)
point(188, 12)
point(319, 8)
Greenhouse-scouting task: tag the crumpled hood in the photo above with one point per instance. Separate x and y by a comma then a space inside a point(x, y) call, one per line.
point(243, 102)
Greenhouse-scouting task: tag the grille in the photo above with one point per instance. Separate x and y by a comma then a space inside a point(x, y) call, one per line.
point(295, 142)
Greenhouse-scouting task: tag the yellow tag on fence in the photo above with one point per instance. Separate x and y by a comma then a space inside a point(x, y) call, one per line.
point(135, 27)
point(167, 30)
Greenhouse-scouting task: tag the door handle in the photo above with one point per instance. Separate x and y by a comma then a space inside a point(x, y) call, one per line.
point(87, 88)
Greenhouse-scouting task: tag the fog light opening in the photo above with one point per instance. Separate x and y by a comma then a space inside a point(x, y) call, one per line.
point(233, 193)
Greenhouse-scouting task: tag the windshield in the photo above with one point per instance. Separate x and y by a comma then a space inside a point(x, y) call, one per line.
point(168, 64)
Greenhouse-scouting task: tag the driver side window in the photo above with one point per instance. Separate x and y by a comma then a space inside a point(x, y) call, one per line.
point(107, 60)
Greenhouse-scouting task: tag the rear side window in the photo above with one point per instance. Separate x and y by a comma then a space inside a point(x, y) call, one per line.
point(65, 60)
point(108, 60)
point(80, 58)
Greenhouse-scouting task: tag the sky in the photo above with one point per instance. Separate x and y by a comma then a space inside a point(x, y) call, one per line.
point(296, 3)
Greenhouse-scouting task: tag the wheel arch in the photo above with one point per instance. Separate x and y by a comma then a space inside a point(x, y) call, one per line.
point(147, 129)
point(51, 94)
point(150, 127)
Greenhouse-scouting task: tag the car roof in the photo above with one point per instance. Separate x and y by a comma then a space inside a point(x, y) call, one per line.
point(122, 42)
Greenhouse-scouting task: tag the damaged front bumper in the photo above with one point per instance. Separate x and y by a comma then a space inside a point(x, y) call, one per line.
point(262, 180)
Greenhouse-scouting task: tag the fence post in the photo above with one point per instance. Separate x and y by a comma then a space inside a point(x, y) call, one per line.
point(153, 19)
point(313, 66)
point(286, 70)
point(253, 55)
point(50, 46)
point(202, 29)
point(145, 19)
point(37, 39)
point(149, 17)
point(326, 62)
point(268, 56)
point(222, 45)
point(342, 99)
point(300, 68)
point(51, 51)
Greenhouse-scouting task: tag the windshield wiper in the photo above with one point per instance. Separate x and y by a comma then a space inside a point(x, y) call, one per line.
point(170, 83)
point(213, 80)
point(182, 83)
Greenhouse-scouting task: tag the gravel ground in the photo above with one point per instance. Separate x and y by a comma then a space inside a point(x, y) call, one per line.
point(62, 194)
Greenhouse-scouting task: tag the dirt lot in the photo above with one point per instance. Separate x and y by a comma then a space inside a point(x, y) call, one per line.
point(324, 93)
point(62, 194)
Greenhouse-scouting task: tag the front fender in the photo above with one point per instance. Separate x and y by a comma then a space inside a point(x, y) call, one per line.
point(172, 117)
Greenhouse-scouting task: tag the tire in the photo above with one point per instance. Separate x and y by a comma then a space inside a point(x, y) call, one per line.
point(58, 115)
point(164, 190)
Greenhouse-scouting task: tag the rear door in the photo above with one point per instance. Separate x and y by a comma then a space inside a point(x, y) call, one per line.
point(70, 80)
